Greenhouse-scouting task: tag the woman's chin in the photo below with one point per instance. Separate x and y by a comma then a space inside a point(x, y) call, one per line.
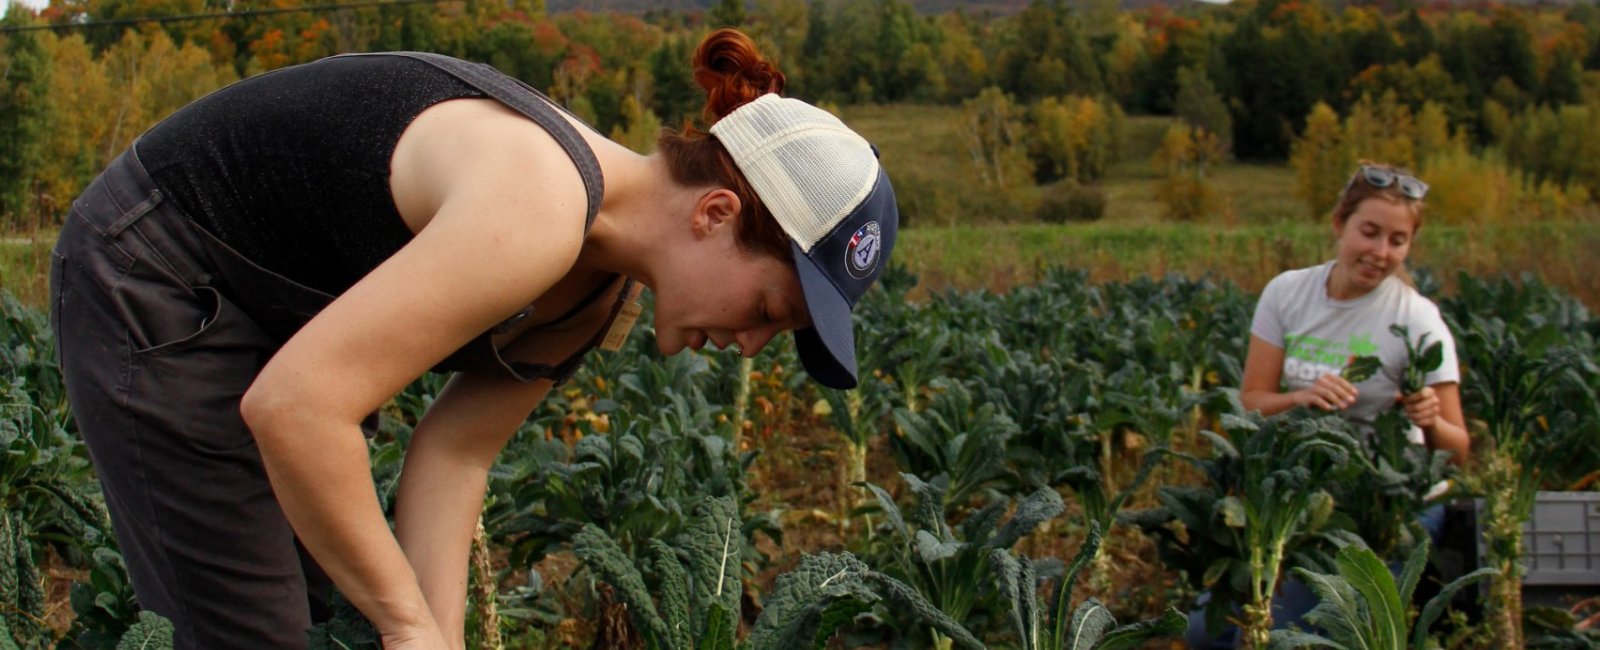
point(670, 345)
point(673, 344)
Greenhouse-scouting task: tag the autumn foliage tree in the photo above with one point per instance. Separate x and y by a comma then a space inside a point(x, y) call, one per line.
point(1248, 74)
point(993, 132)
point(1320, 161)
point(1183, 166)
point(1074, 137)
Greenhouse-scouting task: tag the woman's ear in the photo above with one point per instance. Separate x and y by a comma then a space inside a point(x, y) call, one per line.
point(716, 209)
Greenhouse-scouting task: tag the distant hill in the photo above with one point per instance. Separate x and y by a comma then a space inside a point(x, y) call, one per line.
point(641, 6)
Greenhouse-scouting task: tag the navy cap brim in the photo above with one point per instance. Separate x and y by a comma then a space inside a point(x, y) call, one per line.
point(827, 349)
point(834, 275)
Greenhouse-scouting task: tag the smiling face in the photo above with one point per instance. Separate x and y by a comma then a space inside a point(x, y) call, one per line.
point(715, 292)
point(1373, 243)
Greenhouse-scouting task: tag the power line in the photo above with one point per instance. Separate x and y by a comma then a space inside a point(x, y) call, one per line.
point(116, 22)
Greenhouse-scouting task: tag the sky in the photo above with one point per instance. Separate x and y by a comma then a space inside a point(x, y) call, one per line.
point(36, 4)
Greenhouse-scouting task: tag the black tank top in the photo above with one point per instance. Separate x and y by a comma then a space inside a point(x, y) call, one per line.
point(291, 167)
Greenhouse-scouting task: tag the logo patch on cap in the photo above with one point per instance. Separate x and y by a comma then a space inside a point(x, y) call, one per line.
point(861, 256)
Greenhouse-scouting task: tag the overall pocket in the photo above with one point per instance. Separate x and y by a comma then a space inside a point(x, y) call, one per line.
point(161, 317)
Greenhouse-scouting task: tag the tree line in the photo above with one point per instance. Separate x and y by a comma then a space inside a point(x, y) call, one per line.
point(1247, 78)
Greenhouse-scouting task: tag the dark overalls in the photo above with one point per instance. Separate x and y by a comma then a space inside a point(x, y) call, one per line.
point(161, 328)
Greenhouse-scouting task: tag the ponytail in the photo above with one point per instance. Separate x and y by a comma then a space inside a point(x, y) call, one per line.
point(732, 72)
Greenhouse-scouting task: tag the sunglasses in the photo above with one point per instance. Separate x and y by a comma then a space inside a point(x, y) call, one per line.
point(1379, 177)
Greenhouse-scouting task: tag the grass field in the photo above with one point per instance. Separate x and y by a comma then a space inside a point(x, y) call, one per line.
point(999, 256)
point(25, 265)
point(933, 180)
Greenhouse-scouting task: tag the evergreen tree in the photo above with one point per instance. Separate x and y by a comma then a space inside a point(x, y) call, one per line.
point(529, 51)
point(414, 27)
point(24, 114)
point(677, 99)
point(1368, 40)
point(1046, 53)
point(1283, 63)
point(1510, 47)
point(898, 77)
point(1199, 105)
point(1417, 39)
point(726, 13)
point(1456, 52)
point(1186, 45)
point(1563, 81)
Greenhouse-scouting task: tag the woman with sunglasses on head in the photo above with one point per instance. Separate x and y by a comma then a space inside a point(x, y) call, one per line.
point(268, 266)
point(1311, 322)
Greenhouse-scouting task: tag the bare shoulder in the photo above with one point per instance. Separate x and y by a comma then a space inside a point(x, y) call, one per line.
point(483, 158)
point(500, 217)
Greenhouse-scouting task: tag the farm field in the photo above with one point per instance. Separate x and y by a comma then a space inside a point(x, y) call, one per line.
point(1059, 392)
point(1048, 449)
point(1067, 420)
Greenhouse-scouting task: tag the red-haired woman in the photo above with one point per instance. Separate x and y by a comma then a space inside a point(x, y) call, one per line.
point(262, 270)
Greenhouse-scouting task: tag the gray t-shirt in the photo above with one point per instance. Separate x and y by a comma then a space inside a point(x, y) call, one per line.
point(1319, 335)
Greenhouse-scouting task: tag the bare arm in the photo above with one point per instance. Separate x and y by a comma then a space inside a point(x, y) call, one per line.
point(447, 465)
point(1263, 372)
point(1437, 410)
point(475, 263)
point(442, 486)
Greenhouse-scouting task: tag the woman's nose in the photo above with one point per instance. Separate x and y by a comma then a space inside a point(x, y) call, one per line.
point(1381, 249)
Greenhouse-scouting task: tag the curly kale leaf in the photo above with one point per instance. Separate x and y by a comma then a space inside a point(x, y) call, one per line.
point(1362, 368)
point(908, 597)
point(1041, 506)
point(675, 600)
point(607, 560)
point(809, 603)
point(715, 542)
point(152, 632)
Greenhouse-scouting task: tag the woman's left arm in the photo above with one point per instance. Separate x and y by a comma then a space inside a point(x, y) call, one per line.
point(447, 464)
point(441, 489)
point(1437, 410)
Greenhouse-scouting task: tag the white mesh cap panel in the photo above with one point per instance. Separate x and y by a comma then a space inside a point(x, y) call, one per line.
point(808, 167)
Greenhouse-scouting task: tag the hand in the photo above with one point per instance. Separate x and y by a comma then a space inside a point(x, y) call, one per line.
point(1422, 407)
point(1330, 393)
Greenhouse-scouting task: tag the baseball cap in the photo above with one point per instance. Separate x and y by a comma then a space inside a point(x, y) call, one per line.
point(824, 186)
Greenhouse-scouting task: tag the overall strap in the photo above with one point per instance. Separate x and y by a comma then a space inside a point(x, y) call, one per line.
point(530, 102)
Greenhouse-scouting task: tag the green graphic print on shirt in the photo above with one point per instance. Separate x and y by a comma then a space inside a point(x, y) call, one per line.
point(1308, 357)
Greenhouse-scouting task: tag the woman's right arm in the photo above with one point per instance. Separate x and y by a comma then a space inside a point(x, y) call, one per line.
point(476, 262)
point(1263, 371)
